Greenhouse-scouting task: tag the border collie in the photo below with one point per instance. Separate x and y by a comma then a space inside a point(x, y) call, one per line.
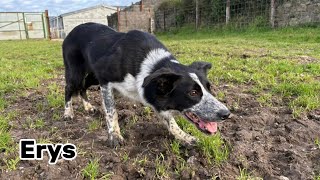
point(140, 67)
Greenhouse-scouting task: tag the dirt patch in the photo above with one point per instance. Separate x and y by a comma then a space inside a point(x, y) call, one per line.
point(267, 142)
point(306, 59)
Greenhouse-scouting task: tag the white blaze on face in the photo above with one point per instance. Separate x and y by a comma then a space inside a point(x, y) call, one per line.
point(208, 106)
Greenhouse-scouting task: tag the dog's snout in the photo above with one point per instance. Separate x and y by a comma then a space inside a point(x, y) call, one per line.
point(224, 114)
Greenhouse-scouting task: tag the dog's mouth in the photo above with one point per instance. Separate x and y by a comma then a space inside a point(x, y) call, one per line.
point(204, 126)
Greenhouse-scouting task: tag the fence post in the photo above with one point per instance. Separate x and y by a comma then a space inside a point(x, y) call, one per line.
point(46, 12)
point(118, 13)
point(197, 14)
point(58, 27)
point(25, 27)
point(175, 17)
point(164, 20)
point(272, 13)
point(18, 20)
point(227, 11)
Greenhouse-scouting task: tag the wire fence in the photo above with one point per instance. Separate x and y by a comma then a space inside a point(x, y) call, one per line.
point(238, 14)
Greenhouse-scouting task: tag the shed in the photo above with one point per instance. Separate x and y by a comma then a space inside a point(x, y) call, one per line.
point(63, 24)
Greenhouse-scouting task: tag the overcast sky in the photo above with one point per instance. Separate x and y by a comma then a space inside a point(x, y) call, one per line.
point(55, 7)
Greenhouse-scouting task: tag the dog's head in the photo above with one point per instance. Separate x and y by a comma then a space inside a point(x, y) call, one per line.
point(186, 89)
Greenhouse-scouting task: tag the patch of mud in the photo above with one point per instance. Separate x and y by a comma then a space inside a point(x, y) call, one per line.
point(268, 142)
point(306, 59)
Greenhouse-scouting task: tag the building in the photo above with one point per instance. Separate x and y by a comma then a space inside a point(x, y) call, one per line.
point(63, 24)
point(24, 25)
point(138, 16)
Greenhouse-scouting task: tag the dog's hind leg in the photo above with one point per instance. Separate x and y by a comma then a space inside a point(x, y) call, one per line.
point(108, 104)
point(68, 111)
point(88, 81)
point(175, 130)
point(74, 76)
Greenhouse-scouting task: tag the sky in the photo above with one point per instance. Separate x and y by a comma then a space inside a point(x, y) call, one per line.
point(55, 7)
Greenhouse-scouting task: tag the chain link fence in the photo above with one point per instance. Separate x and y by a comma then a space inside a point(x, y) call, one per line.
point(239, 14)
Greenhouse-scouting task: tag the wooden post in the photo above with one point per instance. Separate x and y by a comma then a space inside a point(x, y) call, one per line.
point(164, 19)
point(272, 13)
point(126, 16)
point(228, 12)
point(18, 20)
point(197, 14)
point(25, 27)
point(151, 25)
point(118, 13)
point(175, 16)
point(47, 23)
point(58, 27)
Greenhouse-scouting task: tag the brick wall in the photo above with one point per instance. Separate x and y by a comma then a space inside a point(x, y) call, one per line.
point(136, 16)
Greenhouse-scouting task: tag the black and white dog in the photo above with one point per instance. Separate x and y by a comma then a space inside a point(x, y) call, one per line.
point(141, 68)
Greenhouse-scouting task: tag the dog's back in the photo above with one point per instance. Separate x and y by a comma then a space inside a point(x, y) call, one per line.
point(84, 38)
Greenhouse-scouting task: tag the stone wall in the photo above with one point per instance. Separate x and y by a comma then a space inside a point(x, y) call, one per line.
point(294, 12)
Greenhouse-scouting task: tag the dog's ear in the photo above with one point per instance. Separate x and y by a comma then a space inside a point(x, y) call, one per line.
point(201, 66)
point(162, 81)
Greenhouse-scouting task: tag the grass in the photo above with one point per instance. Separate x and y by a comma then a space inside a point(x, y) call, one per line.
point(147, 112)
point(91, 171)
point(175, 147)
point(245, 175)
point(125, 157)
point(143, 161)
point(161, 167)
point(25, 64)
point(6, 142)
point(55, 96)
point(213, 147)
point(38, 123)
point(12, 163)
point(94, 125)
point(317, 142)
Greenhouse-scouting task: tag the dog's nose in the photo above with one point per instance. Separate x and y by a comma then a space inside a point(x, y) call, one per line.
point(224, 114)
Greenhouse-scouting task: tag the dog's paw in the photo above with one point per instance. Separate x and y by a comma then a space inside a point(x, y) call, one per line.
point(191, 142)
point(92, 110)
point(68, 115)
point(89, 108)
point(115, 140)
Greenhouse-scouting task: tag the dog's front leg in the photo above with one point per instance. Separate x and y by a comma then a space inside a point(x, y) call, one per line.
point(178, 133)
point(108, 104)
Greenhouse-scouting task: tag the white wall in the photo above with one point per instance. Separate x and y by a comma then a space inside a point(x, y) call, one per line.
point(98, 15)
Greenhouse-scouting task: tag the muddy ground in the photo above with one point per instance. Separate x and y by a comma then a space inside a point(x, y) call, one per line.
point(267, 141)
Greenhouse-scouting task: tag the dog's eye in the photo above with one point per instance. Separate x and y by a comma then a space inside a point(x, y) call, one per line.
point(193, 93)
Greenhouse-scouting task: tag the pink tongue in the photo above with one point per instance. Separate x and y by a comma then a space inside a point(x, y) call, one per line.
point(211, 126)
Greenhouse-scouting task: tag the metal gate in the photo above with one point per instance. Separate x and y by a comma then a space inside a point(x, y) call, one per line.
point(23, 25)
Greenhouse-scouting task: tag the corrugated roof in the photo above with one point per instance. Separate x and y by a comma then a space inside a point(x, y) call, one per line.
point(89, 8)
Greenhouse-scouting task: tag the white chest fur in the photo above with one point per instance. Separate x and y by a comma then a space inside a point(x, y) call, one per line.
point(132, 86)
point(128, 87)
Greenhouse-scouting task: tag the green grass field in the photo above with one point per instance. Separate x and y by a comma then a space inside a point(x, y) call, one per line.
point(281, 65)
